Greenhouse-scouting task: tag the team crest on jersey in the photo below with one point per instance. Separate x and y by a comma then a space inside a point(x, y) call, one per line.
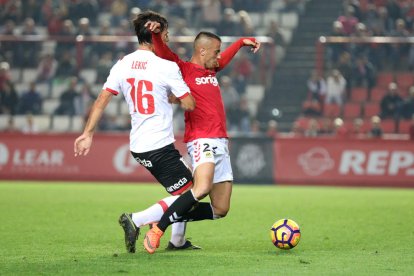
point(206, 80)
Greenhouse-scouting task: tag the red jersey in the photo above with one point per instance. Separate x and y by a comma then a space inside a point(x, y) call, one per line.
point(208, 119)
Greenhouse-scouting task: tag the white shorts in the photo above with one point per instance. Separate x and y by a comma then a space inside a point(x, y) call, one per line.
point(212, 150)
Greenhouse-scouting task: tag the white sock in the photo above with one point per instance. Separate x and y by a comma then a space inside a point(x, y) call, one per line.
point(178, 233)
point(153, 213)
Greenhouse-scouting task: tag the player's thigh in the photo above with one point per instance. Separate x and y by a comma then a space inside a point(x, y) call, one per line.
point(168, 167)
point(203, 179)
point(220, 196)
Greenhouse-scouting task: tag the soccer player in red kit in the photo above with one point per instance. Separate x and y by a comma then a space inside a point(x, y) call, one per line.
point(205, 128)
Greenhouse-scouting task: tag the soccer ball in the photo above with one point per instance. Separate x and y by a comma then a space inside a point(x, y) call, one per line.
point(285, 234)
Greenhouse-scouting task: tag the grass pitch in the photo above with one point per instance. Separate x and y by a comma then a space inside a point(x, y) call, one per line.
point(57, 228)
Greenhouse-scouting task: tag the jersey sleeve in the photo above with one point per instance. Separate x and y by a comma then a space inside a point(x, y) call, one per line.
point(176, 83)
point(229, 53)
point(163, 51)
point(113, 84)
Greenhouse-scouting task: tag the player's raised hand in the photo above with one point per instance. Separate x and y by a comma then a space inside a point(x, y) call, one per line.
point(153, 26)
point(253, 43)
point(82, 145)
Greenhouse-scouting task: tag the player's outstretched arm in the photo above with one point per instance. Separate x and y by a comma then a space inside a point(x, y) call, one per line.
point(83, 143)
point(229, 53)
point(161, 48)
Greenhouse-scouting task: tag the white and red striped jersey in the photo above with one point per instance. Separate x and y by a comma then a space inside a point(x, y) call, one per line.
point(146, 80)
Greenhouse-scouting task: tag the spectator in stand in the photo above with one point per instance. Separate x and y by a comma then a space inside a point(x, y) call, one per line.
point(339, 128)
point(102, 48)
point(69, 100)
point(196, 13)
point(228, 25)
point(11, 127)
point(104, 66)
point(123, 29)
point(411, 58)
point(243, 117)
point(272, 130)
point(297, 130)
point(68, 32)
point(357, 130)
point(312, 129)
point(47, 9)
point(394, 10)
point(391, 103)
point(8, 49)
point(30, 126)
point(376, 129)
point(316, 87)
point(274, 32)
point(159, 6)
point(84, 29)
point(211, 13)
point(399, 51)
point(255, 129)
point(243, 66)
point(55, 23)
point(176, 9)
point(4, 73)
point(296, 6)
point(334, 50)
point(408, 105)
point(411, 129)
point(66, 66)
point(9, 99)
point(85, 99)
point(31, 101)
point(345, 66)
point(364, 73)
point(133, 13)
point(231, 98)
point(28, 50)
point(84, 9)
point(245, 25)
point(335, 88)
point(385, 23)
point(326, 127)
point(46, 70)
point(361, 49)
point(119, 10)
point(312, 108)
point(10, 10)
point(348, 20)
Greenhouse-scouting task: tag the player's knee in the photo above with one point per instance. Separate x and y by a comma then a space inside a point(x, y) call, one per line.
point(220, 212)
point(200, 192)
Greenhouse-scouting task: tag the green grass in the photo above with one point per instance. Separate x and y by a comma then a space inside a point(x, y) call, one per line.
point(72, 229)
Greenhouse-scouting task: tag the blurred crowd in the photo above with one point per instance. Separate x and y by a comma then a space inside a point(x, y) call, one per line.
point(57, 61)
point(358, 68)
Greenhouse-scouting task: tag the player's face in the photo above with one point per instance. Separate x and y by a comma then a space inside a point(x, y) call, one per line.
point(212, 55)
point(164, 35)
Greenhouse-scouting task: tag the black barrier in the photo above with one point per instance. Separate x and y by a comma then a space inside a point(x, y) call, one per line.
point(252, 160)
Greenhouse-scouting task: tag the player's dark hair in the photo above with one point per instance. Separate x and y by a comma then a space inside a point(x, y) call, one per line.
point(142, 32)
point(206, 34)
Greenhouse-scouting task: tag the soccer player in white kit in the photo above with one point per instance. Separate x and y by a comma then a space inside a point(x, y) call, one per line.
point(146, 82)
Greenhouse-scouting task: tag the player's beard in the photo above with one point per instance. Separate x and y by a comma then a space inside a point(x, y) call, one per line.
point(211, 64)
